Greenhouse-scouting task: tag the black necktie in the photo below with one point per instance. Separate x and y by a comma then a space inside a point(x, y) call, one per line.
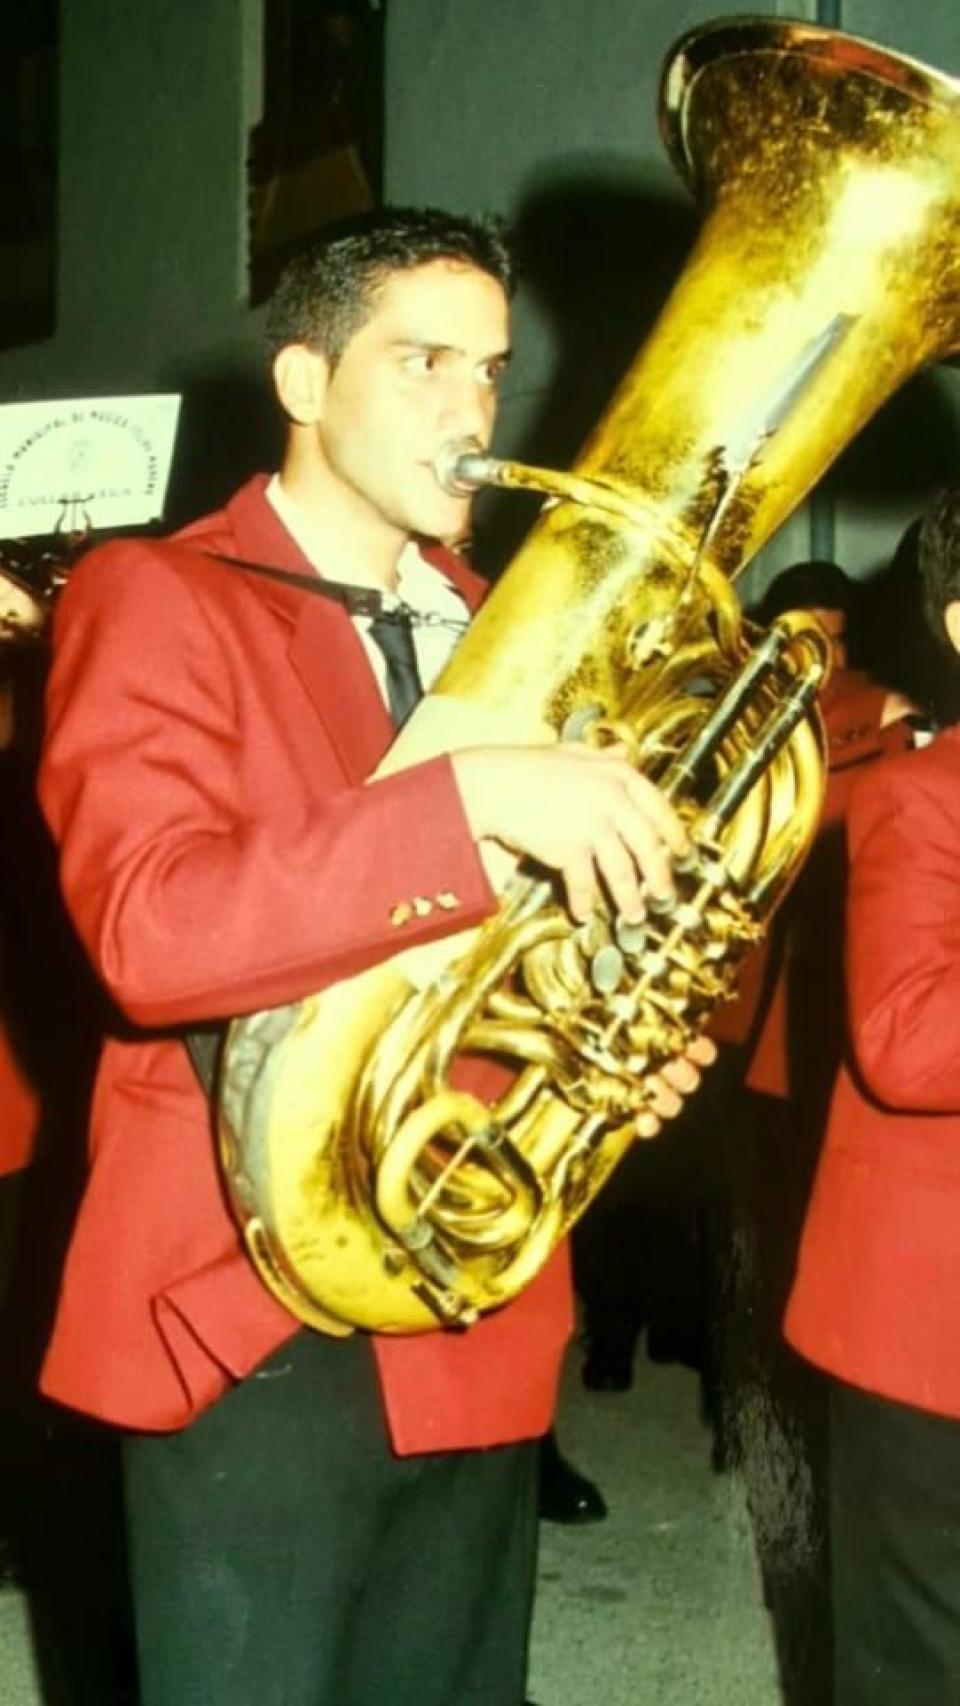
point(391, 628)
point(393, 633)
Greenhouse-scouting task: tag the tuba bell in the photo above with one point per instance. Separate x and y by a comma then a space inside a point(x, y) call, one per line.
point(371, 1191)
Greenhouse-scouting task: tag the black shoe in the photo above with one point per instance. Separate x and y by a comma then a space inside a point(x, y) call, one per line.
point(673, 1341)
point(12, 1572)
point(601, 1374)
point(565, 1494)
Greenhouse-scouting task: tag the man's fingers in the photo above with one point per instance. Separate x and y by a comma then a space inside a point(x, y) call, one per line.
point(664, 1102)
point(583, 812)
point(648, 848)
point(702, 1051)
point(644, 796)
point(617, 866)
point(677, 1079)
point(656, 808)
point(681, 1075)
point(580, 882)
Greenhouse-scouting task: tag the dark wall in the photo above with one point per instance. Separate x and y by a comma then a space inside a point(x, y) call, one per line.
point(156, 101)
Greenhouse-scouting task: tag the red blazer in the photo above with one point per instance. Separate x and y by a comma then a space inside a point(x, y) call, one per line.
point(209, 736)
point(19, 1111)
point(877, 1294)
point(19, 1102)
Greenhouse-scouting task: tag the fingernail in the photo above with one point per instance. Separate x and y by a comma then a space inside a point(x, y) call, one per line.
point(662, 901)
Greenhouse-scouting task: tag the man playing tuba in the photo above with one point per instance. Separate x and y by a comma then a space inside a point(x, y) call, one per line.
point(310, 1519)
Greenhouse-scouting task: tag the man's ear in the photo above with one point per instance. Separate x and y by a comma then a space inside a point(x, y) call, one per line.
point(951, 621)
point(301, 376)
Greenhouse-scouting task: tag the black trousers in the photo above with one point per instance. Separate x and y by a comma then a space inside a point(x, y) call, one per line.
point(282, 1556)
point(895, 1552)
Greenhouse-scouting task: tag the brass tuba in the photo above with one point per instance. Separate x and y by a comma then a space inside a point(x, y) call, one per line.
point(372, 1192)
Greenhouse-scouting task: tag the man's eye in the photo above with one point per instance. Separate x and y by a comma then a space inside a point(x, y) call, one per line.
point(491, 373)
point(421, 361)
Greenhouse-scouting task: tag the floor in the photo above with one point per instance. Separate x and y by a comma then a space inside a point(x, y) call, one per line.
point(660, 1603)
point(19, 1685)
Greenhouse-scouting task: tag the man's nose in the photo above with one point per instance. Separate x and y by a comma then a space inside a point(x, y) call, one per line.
point(468, 409)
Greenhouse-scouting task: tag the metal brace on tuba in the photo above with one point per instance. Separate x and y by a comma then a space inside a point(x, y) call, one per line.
point(374, 1192)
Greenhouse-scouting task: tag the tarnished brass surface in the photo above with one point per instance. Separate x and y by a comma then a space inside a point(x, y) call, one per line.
point(23, 614)
point(29, 586)
point(373, 1193)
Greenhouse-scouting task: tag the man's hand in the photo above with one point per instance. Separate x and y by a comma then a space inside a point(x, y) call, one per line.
point(674, 1083)
point(587, 814)
point(582, 812)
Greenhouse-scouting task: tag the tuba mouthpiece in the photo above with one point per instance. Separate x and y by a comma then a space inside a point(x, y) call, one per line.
point(461, 467)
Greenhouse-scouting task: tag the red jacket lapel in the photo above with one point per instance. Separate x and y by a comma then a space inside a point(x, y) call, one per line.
point(325, 649)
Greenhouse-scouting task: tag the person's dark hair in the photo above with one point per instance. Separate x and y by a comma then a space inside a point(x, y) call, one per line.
point(938, 557)
point(812, 585)
point(327, 293)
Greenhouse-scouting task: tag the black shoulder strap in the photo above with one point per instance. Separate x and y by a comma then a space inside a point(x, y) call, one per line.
point(356, 600)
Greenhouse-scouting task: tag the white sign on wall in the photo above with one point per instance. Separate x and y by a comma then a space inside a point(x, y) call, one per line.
point(92, 462)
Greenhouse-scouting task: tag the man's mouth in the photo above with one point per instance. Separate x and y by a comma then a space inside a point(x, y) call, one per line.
point(451, 466)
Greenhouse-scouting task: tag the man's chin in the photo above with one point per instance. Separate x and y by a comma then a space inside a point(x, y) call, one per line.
point(446, 523)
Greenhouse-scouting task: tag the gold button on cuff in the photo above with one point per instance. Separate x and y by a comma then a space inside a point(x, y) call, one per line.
point(401, 914)
point(422, 906)
point(448, 900)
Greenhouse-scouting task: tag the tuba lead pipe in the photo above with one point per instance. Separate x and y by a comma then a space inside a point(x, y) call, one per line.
point(461, 470)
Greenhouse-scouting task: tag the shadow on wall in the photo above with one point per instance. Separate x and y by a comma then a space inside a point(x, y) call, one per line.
point(598, 256)
point(909, 449)
point(230, 428)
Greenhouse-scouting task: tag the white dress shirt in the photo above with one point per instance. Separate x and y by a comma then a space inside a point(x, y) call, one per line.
point(419, 585)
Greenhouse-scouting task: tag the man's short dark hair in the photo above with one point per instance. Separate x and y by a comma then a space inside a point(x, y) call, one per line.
point(938, 556)
point(327, 293)
point(814, 584)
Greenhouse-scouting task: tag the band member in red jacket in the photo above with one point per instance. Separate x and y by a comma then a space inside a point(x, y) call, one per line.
point(19, 1108)
point(18, 1102)
point(312, 1521)
point(798, 1031)
point(789, 1023)
point(876, 1301)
